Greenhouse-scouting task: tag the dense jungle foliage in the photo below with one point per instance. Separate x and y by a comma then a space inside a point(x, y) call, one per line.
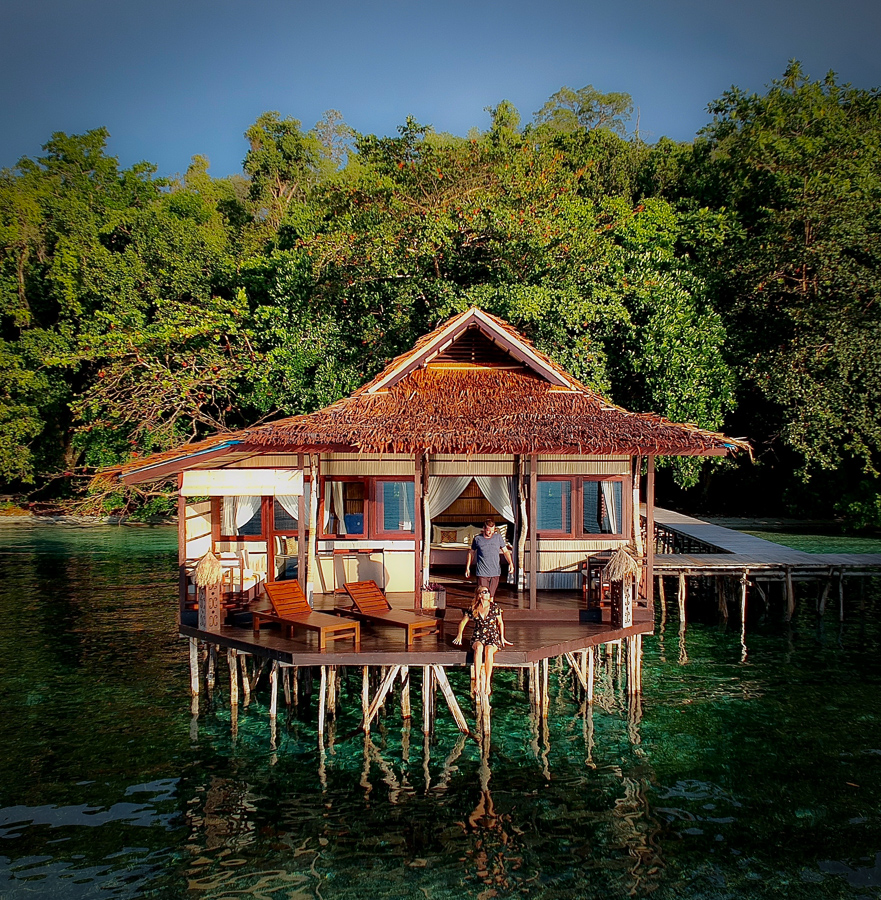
point(731, 282)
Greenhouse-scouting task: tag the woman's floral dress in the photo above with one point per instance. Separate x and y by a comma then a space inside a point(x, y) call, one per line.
point(486, 628)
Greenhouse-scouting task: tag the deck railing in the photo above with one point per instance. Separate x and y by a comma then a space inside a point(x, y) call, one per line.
point(670, 541)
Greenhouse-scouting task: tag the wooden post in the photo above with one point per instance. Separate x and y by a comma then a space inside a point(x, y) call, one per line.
point(417, 530)
point(827, 587)
point(426, 521)
point(273, 690)
point(286, 684)
point(522, 525)
point(841, 595)
point(246, 682)
point(427, 700)
point(681, 599)
point(322, 702)
point(194, 667)
point(233, 662)
point(405, 692)
point(744, 585)
point(365, 696)
point(545, 694)
point(331, 690)
point(312, 564)
point(591, 659)
point(450, 697)
point(212, 666)
point(182, 547)
point(301, 532)
point(637, 524)
point(378, 700)
point(533, 531)
point(650, 532)
point(790, 595)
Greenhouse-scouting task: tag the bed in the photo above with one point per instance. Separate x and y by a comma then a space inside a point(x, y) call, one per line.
point(450, 543)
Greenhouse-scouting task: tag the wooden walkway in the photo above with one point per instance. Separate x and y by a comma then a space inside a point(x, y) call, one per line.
point(734, 551)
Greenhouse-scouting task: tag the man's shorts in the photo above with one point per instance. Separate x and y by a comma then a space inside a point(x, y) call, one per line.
point(489, 582)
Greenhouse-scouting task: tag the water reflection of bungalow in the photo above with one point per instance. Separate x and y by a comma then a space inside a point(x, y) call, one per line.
point(390, 484)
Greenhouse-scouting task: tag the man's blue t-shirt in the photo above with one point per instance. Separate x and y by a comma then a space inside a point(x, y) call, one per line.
point(487, 550)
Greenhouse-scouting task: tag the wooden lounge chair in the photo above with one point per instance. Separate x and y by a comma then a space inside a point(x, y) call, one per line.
point(291, 610)
point(371, 605)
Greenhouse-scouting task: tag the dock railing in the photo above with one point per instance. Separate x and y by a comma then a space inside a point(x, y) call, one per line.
point(670, 541)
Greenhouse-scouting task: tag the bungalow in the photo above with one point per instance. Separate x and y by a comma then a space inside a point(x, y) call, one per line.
point(390, 483)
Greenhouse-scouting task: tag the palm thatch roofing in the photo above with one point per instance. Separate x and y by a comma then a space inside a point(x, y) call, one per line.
point(472, 386)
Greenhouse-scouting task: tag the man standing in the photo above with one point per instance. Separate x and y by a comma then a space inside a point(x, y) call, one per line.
point(487, 547)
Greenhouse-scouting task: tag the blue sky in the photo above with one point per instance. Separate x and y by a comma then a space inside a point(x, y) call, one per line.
point(172, 79)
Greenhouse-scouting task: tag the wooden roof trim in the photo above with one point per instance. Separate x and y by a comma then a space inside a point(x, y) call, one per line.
point(164, 468)
point(454, 329)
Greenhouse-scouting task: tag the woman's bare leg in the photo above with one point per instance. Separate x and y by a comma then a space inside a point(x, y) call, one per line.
point(478, 666)
point(490, 653)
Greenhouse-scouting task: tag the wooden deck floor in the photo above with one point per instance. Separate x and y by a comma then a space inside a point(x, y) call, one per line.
point(536, 635)
point(745, 551)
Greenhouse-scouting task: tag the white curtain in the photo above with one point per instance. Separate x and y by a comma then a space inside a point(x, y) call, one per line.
point(609, 501)
point(497, 489)
point(443, 491)
point(229, 516)
point(290, 503)
point(339, 506)
point(246, 509)
point(327, 501)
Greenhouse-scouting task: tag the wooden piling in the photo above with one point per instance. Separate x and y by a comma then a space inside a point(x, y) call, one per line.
point(194, 667)
point(405, 692)
point(379, 699)
point(681, 597)
point(591, 665)
point(545, 693)
point(365, 695)
point(233, 663)
point(286, 683)
point(331, 690)
point(322, 702)
point(840, 595)
point(427, 699)
point(273, 690)
point(790, 594)
point(450, 697)
point(212, 666)
point(246, 682)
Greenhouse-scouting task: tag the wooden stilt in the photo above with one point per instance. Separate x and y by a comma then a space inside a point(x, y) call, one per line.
point(840, 595)
point(450, 697)
point(322, 701)
point(246, 681)
point(273, 690)
point(365, 696)
point(286, 683)
point(744, 587)
point(233, 662)
point(427, 676)
point(824, 597)
point(212, 666)
point(662, 600)
point(331, 690)
point(591, 658)
point(545, 693)
point(576, 668)
point(295, 684)
point(790, 595)
point(379, 699)
point(405, 691)
point(194, 667)
point(681, 597)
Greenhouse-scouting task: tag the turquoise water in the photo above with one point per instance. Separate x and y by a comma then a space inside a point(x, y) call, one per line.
point(746, 772)
point(821, 543)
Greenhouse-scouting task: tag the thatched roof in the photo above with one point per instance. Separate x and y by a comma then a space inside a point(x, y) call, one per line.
point(432, 399)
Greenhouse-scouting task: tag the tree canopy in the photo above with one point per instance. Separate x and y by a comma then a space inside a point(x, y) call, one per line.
point(730, 282)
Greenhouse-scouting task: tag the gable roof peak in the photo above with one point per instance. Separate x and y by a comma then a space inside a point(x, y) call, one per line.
point(495, 329)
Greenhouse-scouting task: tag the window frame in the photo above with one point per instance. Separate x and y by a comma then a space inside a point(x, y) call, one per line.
point(577, 531)
point(364, 534)
point(378, 508)
point(266, 520)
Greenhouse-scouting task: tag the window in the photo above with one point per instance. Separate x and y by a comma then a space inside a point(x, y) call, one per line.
point(345, 508)
point(603, 506)
point(555, 506)
point(581, 506)
point(286, 510)
point(241, 517)
point(395, 507)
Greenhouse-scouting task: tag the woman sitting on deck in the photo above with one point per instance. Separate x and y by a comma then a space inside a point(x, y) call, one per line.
point(488, 636)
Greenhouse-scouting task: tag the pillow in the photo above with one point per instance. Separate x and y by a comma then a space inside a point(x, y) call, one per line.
point(466, 534)
point(449, 536)
point(436, 533)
